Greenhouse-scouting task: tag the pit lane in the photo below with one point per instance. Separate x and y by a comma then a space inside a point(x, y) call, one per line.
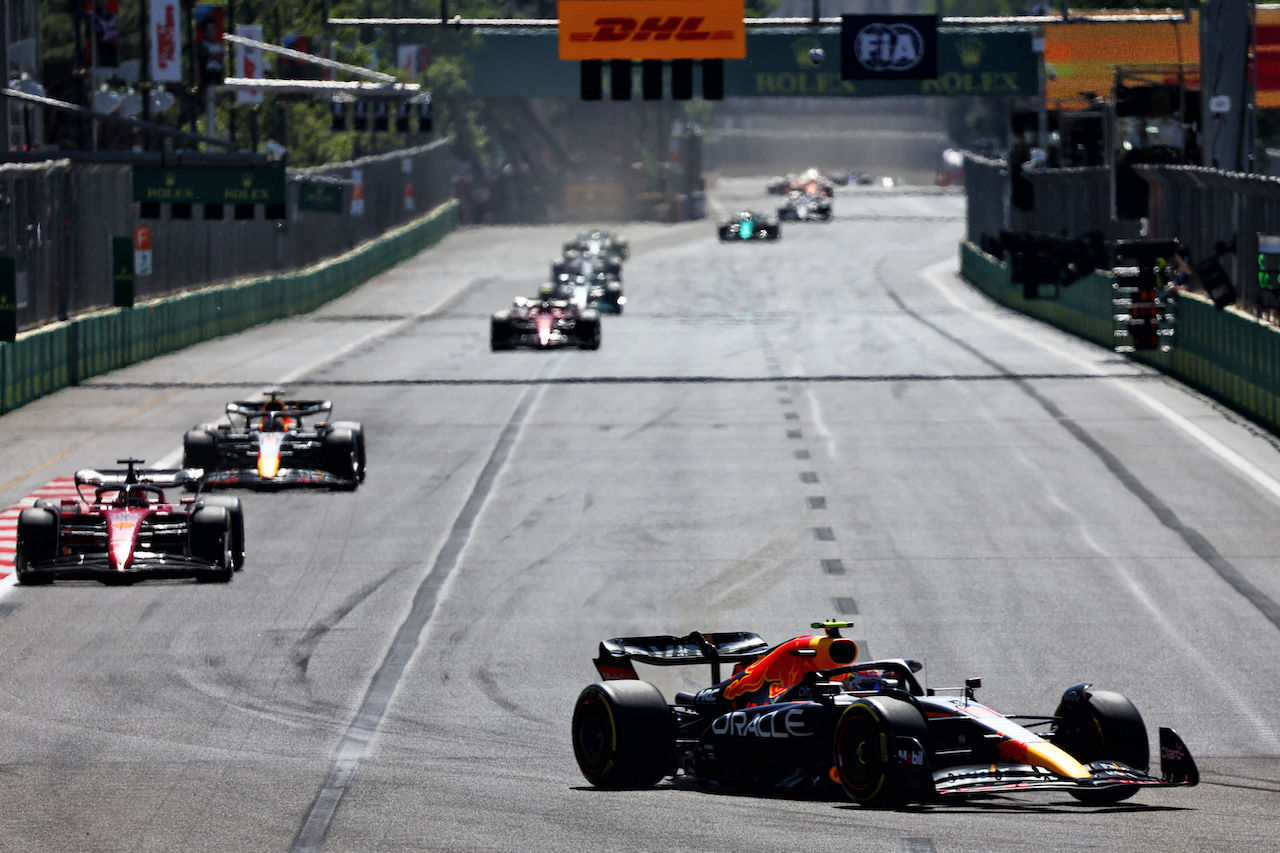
point(959, 518)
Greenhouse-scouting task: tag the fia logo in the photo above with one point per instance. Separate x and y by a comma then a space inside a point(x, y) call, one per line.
point(889, 47)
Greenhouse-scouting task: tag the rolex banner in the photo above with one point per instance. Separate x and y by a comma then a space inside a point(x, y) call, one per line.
point(166, 41)
point(889, 47)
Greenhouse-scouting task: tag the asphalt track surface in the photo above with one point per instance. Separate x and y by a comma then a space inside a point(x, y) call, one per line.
point(834, 425)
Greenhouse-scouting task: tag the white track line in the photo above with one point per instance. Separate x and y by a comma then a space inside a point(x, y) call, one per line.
point(935, 276)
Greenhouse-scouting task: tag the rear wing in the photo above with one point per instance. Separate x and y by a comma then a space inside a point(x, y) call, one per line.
point(249, 409)
point(166, 478)
point(616, 655)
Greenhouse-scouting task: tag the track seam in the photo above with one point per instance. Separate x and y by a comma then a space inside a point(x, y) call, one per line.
point(315, 827)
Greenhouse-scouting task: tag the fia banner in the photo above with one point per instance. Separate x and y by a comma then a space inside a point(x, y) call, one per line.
point(165, 24)
point(249, 63)
point(889, 47)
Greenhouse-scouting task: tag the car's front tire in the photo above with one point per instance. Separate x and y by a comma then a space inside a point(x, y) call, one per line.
point(209, 539)
point(37, 541)
point(235, 513)
point(1099, 725)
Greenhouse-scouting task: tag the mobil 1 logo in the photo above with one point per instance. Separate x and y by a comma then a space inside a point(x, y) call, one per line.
point(889, 47)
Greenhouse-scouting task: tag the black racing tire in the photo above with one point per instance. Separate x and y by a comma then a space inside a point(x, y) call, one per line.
point(37, 541)
point(500, 333)
point(774, 233)
point(1105, 726)
point(209, 539)
point(340, 456)
point(723, 232)
point(235, 512)
point(624, 735)
point(865, 758)
point(357, 429)
point(200, 450)
point(589, 327)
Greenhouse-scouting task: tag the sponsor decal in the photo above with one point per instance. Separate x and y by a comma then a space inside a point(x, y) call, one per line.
point(912, 757)
point(166, 42)
point(782, 723)
point(651, 29)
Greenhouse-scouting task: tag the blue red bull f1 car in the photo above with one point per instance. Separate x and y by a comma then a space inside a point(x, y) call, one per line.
point(807, 718)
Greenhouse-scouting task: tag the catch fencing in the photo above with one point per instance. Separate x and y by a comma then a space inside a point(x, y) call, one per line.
point(1213, 213)
point(57, 219)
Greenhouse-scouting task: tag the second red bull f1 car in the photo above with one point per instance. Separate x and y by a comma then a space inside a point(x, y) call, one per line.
point(269, 443)
point(805, 718)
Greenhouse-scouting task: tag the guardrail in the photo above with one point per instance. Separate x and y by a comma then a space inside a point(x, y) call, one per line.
point(45, 360)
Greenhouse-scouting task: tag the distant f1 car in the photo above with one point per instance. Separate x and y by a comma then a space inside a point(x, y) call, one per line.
point(599, 291)
point(598, 242)
point(576, 262)
point(270, 444)
point(800, 207)
point(810, 182)
point(128, 530)
point(749, 226)
point(802, 718)
point(544, 323)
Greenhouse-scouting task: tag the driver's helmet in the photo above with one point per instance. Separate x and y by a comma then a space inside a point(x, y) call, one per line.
point(128, 497)
point(272, 421)
point(746, 214)
point(866, 679)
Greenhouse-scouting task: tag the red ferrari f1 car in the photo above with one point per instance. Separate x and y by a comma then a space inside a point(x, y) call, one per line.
point(544, 323)
point(804, 718)
point(127, 530)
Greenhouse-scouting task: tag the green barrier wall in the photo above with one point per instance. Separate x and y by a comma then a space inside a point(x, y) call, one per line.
point(1226, 354)
point(54, 357)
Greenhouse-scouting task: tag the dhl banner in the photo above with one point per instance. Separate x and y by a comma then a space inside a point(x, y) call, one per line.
point(651, 29)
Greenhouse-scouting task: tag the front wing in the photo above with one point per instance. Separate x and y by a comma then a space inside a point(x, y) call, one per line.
point(284, 478)
point(145, 564)
point(1177, 769)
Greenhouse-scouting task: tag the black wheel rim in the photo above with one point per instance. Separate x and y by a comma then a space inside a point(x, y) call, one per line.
point(591, 735)
point(858, 751)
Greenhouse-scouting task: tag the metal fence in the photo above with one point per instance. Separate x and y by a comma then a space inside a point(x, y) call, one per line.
point(1212, 212)
point(57, 219)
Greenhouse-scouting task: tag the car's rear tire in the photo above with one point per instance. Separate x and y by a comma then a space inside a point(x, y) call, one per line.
point(235, 512)
point(866, 759)
point(209, 539)
point(37, 541)
point(1100, 725)
point(624, 735)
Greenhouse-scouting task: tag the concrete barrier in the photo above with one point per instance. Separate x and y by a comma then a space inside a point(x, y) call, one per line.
point(53, 357)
